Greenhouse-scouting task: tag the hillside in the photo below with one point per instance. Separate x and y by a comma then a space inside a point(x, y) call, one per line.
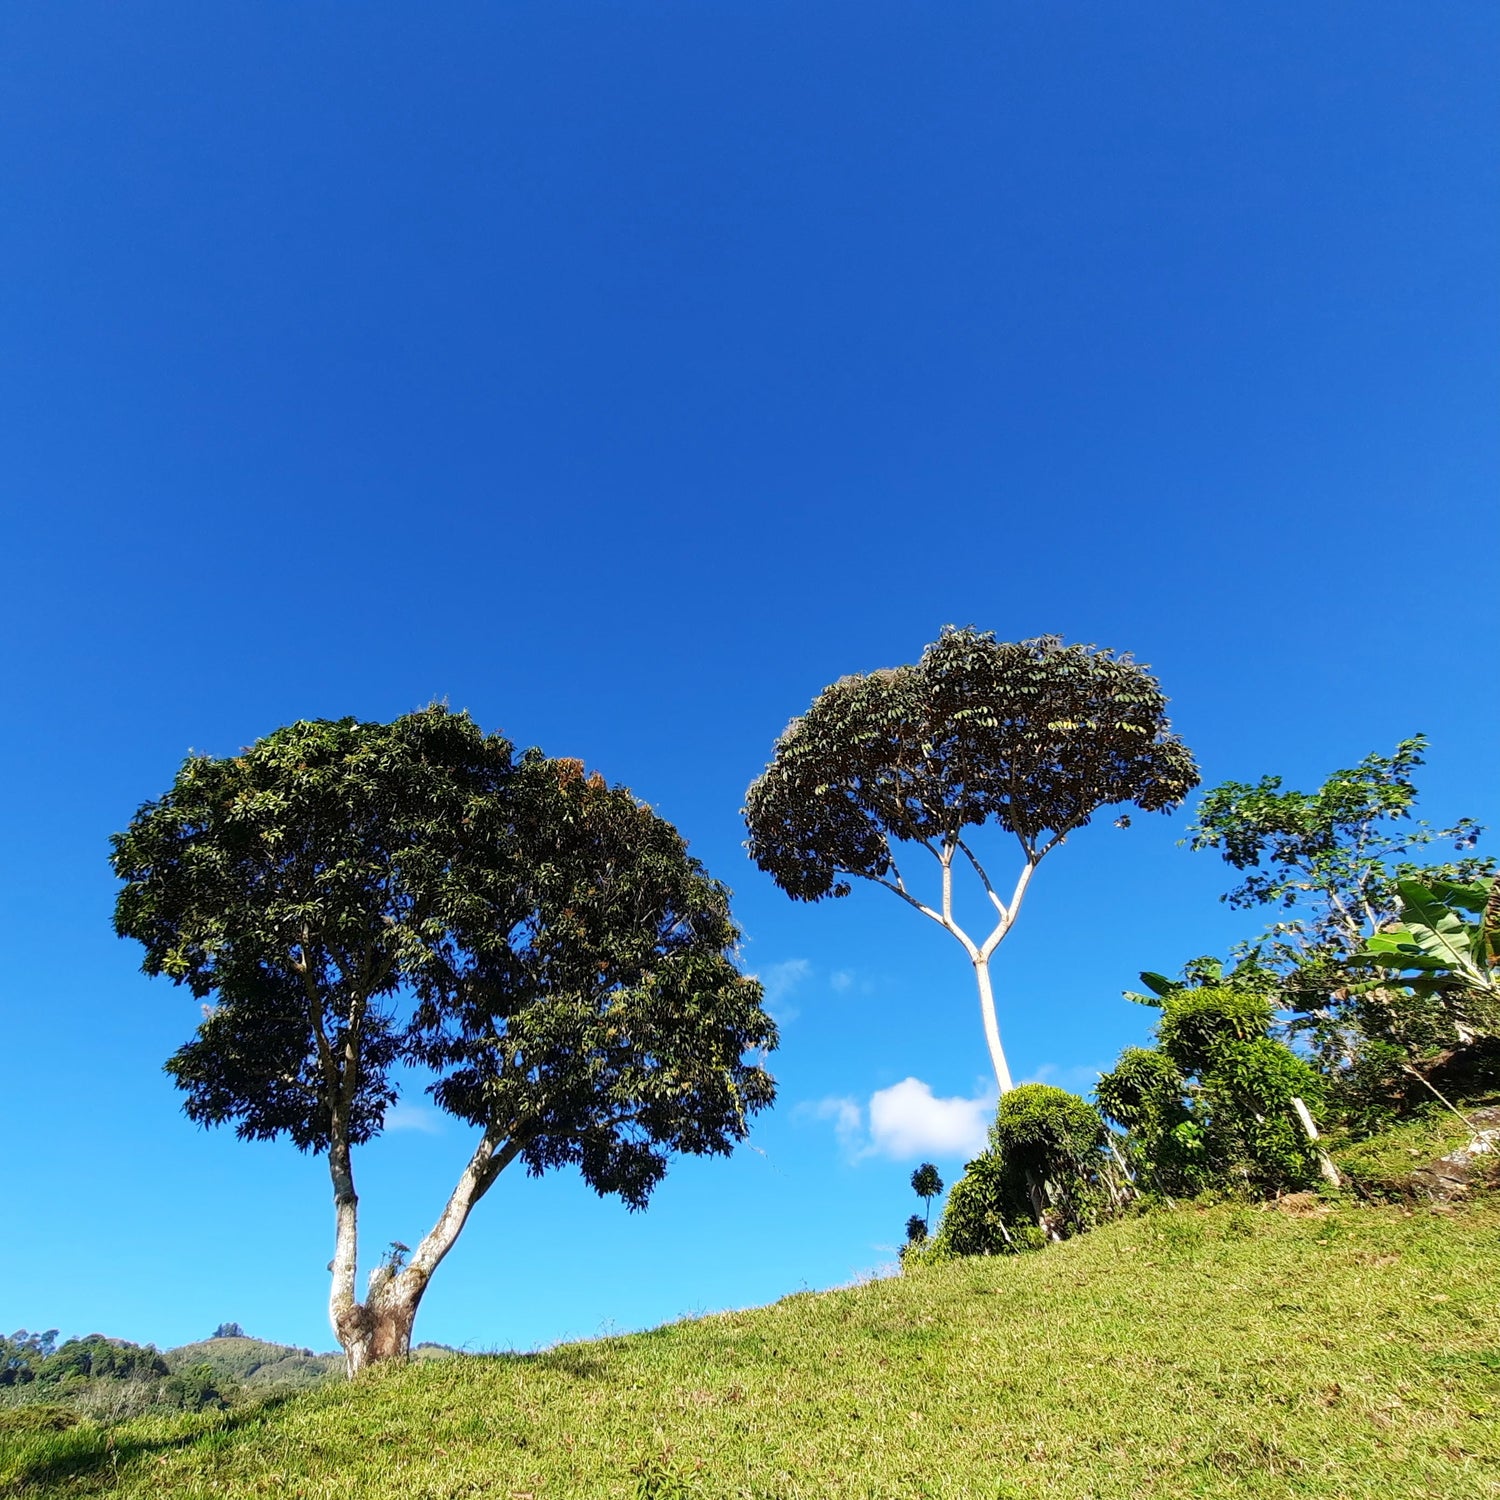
point(1334, 1352)
point(256, 1362)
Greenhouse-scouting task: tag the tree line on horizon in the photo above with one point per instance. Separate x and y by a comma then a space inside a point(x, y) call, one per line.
point(348, 899)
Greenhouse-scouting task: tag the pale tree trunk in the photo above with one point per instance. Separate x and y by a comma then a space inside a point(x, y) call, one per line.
point(991, 1024)
point(1325, 1162)
point(979, 953)
point(379, 1328)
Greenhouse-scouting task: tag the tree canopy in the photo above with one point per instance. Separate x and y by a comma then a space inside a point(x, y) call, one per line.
point(1033, 736)
point(355, 898)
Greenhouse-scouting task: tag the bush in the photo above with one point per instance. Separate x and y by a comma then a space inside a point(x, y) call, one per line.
point(1046, 1176)
point(18, 1421)
point(1210, 1108)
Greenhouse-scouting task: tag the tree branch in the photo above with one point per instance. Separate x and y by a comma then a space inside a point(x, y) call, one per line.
point(979, 870)
point(493, 1154)
point(945, 922)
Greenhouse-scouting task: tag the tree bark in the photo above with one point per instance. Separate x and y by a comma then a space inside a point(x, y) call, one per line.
point(379, 1328)
point(991, 1025)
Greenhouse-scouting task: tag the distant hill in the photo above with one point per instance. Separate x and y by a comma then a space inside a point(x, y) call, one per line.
point(254, 1362)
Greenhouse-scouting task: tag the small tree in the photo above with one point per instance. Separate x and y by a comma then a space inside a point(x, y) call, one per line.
point(926, 1184)
point(1033, 736)
point(1219, 1105)
point(1331, 864)
point(355, 897)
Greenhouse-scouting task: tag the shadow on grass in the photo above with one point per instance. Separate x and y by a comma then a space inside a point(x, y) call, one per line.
point(92, 1458)
point(579, 1363)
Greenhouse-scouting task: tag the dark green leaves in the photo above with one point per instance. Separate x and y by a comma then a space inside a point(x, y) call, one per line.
point(357, 896)
point(1034, 735)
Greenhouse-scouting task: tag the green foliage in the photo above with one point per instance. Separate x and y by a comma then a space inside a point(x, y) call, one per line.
point(1447, 948)
point(1046, 1176)
point(1034, 736)
point(1210, 1108)
point(23, 1354)
point(1196, 1023)
point(195, 1388)
point(1328, 855)
point(36, 1417)
point(925, 1182)
point(568, 966)
point(1337, 865)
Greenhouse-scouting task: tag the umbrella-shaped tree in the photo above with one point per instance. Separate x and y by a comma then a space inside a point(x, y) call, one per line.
point(1033, 736)
point(353, 897)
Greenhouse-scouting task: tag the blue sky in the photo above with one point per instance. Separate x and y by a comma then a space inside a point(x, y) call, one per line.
point(625, 373)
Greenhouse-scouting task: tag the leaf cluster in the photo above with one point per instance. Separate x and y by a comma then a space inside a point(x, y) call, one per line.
point(1033, 735)
point(1209, 1109)
point(1334, 857)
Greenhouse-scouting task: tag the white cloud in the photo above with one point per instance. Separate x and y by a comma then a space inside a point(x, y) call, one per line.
point(841, 979)
point(779, 981)
point(848, 1122)
point(906, 1122)
point(413, 1117)
point(909, 1120)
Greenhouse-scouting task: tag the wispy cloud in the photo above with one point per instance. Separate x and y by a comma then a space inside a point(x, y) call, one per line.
point(840, 980)
point(847, 1117)
point(414, 1117)
point(780, 982)
point(907, 1121)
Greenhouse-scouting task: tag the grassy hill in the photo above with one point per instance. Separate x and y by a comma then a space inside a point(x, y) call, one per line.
point(254, 1362)
point(1351, 1351)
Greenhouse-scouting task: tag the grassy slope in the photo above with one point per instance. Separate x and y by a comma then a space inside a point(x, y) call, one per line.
point(1218, 1352)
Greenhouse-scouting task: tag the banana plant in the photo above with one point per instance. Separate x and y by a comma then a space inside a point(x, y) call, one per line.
point(1447, 946)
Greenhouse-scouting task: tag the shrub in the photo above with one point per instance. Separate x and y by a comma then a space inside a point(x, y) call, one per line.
point(1046, 1176)
point(1210, 1109)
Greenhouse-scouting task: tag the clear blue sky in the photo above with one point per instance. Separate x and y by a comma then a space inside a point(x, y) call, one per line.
point(624, 373)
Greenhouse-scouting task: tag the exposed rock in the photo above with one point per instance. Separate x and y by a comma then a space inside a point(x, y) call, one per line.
point(1478, 1162)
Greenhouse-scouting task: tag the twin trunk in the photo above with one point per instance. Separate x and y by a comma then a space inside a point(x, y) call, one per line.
point(379, 1328)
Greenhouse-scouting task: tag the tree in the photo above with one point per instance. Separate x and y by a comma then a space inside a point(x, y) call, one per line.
point(1332, 863)
point(1218, 1105)
point(359, 897)
point(926, 1184)
point(1033, 736)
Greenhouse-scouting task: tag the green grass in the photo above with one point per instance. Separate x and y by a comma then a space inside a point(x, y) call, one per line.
point(1228, 1351)
point(1381, 1165)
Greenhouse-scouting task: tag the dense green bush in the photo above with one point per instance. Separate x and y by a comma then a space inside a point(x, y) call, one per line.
point(1046, 1175)
point(1210, 1109)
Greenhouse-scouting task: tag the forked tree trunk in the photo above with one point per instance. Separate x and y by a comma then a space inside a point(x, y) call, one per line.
point(379, 1328)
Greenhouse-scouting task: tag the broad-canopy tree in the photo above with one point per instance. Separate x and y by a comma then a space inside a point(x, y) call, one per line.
point(357, 898)
point(1033, 736)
